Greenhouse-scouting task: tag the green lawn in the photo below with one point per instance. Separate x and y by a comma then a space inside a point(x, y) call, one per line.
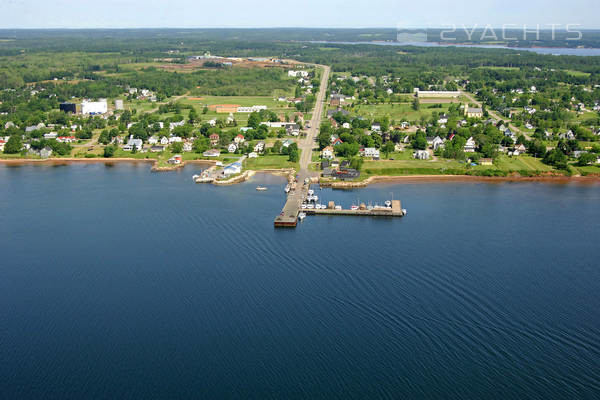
point(398, 111)
point(271, 161)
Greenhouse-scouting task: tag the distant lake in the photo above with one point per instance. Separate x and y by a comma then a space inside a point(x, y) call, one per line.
point(116, 282)
point(559, 51)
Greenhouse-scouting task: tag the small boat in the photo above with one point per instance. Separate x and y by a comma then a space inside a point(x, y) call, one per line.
point(301, 216)
point(404, 211)
point(388, 203)
point(304, 206)
point(311, 192)
point(354, 208)
point(195, 177)
point(287, 189)
point(310, 206)
point(261, 188)
point(369, 207)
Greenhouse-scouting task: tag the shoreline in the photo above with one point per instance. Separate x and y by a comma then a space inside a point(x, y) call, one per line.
point(411, 179)
point(556, 179)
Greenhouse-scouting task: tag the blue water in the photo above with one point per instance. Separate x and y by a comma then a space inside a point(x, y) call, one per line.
point(116, 282)
point(556, 51)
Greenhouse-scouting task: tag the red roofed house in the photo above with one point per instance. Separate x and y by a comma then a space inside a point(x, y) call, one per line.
point(239, 139)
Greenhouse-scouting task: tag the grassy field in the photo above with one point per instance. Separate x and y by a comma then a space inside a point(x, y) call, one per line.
point(404, 164)
point(272, 161)
point(398, 111)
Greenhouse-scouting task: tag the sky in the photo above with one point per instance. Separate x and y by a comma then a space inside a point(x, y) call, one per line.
point(298, 13)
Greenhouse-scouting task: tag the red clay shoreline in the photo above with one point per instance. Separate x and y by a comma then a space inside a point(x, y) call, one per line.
point(409, 179)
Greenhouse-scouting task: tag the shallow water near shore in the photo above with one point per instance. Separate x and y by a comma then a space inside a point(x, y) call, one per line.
point(116, 282)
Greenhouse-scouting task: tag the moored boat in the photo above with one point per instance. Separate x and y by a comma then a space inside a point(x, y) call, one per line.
point(261, 188)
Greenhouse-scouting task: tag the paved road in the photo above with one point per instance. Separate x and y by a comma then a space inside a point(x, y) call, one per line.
point(494, 115)
point(306, 146)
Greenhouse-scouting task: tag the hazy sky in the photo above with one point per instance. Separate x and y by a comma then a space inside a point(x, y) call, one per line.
point(299, 13)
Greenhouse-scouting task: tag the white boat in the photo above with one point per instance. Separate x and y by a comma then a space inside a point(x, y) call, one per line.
point(354, 208)
point(310, 206)
point(301, 216)
point(195, 177)
point(261, 188)
point(404, 211)
point(311, 192)
point(388, 203)
point(287, 188)
point(338, 207)
point(304, 206)
point(369, 207)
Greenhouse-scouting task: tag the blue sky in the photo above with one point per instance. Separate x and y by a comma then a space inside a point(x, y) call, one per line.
point(299, 13)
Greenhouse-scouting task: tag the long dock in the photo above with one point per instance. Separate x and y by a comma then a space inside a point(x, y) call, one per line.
point(394, 211)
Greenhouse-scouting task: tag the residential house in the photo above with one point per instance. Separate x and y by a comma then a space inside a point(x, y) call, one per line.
point(293, 129)
point(259, 147)
point(51, 135)
point(443, 119)
point(346, 125)
point(474, 112)
point(187, 146)
point(66, 139)
point(153, 140)
point(370, 152)
point(376, 127)
point(327, 153)
point(336, 142)
point(175, 139)
point(2, 144)
point(232, 148)
point(239, 139)
point(253, 155)
point(173, 125)
point(214, 139)
point(45, 152)
point(138, 144)
point(164, 140)
point(470, 145)
point(421, 155)
point(437, 143)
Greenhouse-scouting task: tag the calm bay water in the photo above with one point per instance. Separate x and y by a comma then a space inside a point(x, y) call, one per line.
point(119, 283)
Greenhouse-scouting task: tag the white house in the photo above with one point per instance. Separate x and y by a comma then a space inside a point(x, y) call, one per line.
point(153, 140)
point(259, 147)
point(173, 125)
point(175, 139)
point(327, 153)
point(137, 143)
point(437, 143)
point(421, 155)
point(470, 145)
point(164, 140)
point(187, 146)
point(253, 155)
point(371, 152)
point(346, 125)
point(232, 148)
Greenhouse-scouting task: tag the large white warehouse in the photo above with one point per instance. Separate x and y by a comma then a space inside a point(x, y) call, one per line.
point(94, 107)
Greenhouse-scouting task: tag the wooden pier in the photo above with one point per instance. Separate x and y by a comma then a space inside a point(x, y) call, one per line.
point(394, 211)
point(293, 205)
